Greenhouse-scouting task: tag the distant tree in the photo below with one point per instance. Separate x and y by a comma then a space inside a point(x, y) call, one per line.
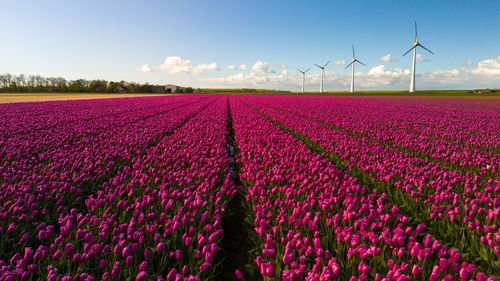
point(78, 86)
point(41, 84)
point(13, 86)
point(113, 87)
point(4, 83)
point(36, 83)
point(132, 87)
point(62, 85)
point(20, 82)
point(145, 88)
point(98, 86)
point(51, 84)
point(30, 83)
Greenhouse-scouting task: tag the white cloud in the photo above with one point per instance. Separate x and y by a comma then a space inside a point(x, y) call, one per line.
point(284, 72)
point(176, 65)
point(382, 70)
point(241, 67)
point(263, 67)
point(387, 58)
point(340, 62)
point(420, 58)
point(199, 69)
point(489, 67)
point(382, 75)
point(145, 68)
point(484, 74)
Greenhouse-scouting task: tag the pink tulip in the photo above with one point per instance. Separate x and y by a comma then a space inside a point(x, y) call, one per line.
point(238, 274)
point(141, 276)
point(143, 266)
point(416, 270)
point(464, 273)
point(171, 274)
point(178, 254)
point(147, 253)
point(160, 246)
point(205, 266)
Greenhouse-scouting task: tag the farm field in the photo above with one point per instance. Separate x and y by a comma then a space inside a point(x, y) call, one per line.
point(263, 187)
point(38, 97)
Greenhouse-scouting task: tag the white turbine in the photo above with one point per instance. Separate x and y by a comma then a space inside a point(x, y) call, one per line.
point(353, 62)
point(322, 75)
point(303, 77)
point(414, 48)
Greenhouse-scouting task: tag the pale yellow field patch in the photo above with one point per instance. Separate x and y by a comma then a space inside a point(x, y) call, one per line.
point(38, 97)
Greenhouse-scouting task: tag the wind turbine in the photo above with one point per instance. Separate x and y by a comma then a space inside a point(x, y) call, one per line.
point(353, 62)
point(414, 48)
point(303, 77)
point(322, 75)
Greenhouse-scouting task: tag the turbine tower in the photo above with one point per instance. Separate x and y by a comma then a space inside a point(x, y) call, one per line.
point(322, 75)
point(414, 48)
point(303, 77)
point(353, 62)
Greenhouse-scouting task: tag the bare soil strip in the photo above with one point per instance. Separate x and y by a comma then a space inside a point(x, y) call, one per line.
point(235, 240)
point(39, 97)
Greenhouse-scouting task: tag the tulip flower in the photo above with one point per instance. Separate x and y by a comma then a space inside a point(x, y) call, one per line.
point(141, 276)
point(204, 266)
point(416, 270)
point(238, 274)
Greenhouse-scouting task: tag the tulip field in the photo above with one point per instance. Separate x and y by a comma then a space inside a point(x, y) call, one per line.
point(250, 187)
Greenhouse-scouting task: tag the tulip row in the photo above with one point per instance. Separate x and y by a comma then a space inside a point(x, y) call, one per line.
point(67, 127)
point(313, 222)
point(488, 194)
point(464, 139)
point(41, 146)
point(162, 183)
point(37, 189)
point(421, 187)
point(26, 118)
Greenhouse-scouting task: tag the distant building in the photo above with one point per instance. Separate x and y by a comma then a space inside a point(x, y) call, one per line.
point(170, 88)
point(158, 89)
point(482, 91)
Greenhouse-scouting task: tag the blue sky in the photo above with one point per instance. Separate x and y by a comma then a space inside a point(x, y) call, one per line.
point(113, 39)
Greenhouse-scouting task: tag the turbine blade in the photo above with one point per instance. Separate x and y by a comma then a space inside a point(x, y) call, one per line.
point(349, 65)
point(326, 63)
point(409, 50)
point(416, 37)
point(426, 49)
point(353, 51)
point(317, 65)
point(361, 62)
point(307, 70)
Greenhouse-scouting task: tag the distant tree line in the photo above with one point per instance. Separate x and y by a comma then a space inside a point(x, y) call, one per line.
point(36, 84)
